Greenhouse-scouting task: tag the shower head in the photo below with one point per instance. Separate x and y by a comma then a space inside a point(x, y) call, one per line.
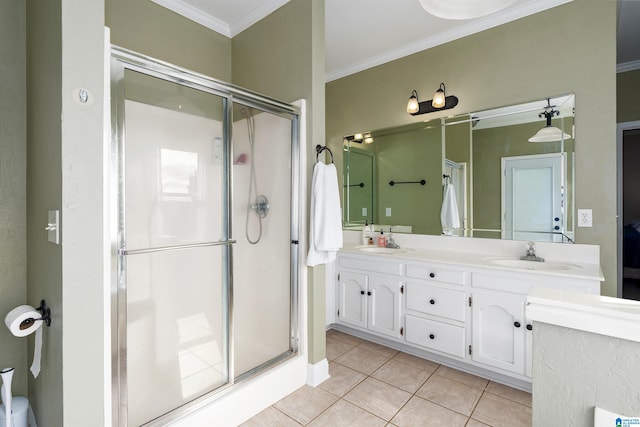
point(245, 111)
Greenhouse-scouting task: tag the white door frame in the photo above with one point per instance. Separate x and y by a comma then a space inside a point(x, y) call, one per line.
point(619, 214)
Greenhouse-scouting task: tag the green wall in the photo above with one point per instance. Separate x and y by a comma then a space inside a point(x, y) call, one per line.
point(44, 192)
point(13, 192)
point(150, 29)
point(503, 66)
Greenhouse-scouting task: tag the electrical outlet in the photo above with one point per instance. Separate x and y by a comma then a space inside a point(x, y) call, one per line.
point(585, 218)
point(388, 212)
point(364, 212)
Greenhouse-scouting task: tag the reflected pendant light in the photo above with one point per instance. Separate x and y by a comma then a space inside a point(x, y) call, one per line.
point(463, 9)
point(549, 133)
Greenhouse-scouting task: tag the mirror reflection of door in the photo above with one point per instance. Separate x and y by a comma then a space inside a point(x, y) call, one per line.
point(532, 197)
point(358, 206)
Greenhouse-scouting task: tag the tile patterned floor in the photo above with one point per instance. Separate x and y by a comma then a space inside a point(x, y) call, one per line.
point(372, 385)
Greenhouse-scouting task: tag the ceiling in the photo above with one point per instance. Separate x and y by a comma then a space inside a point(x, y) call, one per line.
point(361, 34)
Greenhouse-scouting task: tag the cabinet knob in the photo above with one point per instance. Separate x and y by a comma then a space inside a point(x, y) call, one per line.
point(516, 324)
point(432, 275)
point(529, 327)
point(557, 227)
point(361, 292)
point(432, 301)
point(368, 292)
point(432, 337)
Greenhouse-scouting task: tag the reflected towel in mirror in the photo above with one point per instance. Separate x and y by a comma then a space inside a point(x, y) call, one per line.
point(449, 215)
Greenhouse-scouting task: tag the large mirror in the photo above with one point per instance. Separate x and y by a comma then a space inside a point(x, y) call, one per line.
point(501, 173)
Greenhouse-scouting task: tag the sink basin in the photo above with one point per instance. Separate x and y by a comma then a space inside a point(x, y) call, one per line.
point(533, 265)
point(379, 250)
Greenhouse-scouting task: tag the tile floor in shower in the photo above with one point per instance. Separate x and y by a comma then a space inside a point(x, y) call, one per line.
point(372, 385)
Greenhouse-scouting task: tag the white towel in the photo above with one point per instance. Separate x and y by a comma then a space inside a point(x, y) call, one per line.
point(325, 222)
point(449, 215)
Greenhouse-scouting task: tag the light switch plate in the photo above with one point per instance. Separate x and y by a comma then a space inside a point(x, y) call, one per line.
point(53, 226)
point(388, 212)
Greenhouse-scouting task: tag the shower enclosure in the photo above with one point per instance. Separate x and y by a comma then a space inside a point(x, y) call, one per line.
point(205, 267)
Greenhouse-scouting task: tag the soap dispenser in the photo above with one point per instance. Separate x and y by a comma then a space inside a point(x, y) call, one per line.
point(382, 239)
point(366, 233)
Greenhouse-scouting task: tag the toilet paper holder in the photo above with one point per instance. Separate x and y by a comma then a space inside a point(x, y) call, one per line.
point(46, 313)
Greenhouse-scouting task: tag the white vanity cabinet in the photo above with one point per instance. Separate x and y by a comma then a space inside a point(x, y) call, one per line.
point(471, 316)
point(368, 299)
point(501, 333)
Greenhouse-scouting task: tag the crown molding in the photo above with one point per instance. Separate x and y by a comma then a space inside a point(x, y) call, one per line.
point(472, 27)
point(227, 29)
point(196, 15)
point(266, 8)
point(628, 66)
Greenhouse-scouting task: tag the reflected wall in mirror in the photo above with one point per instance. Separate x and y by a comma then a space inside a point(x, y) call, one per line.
point(504, 186)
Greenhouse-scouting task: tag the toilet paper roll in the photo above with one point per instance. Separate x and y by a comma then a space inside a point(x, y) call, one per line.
point(25, 320)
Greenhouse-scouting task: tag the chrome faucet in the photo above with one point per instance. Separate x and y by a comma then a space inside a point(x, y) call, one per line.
point(531, 254)
point(390, 242)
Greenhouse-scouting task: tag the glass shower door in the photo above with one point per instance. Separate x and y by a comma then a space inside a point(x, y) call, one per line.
point(262, 204)
point(174, 245)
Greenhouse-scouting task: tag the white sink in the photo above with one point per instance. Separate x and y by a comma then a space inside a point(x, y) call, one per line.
point(379, 250)
point(533, 265)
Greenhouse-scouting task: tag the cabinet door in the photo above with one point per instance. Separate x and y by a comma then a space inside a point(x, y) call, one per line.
point(352, 298)
point(384, 305)
point(499, 331)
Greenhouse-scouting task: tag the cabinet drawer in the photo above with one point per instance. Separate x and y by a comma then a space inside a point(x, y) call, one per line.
point(372, 264)
point(436, 335)
point(436, 273)
point(437, 301)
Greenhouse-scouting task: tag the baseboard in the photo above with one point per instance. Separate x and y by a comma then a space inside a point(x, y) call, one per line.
point(317, 373)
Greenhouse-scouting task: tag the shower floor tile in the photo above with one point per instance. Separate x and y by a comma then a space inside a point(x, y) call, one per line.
point(372, 385)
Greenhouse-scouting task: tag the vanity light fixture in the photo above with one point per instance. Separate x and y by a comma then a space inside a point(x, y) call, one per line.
point(412, 105)
point(439, 102)
point(549, 133)
point(463, 9)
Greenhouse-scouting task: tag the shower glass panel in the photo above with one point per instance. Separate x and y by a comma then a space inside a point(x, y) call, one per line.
point(262, 227)
point(173, 227)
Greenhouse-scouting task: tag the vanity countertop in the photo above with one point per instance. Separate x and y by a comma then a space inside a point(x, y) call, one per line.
point(508, 261)
point(603, 315)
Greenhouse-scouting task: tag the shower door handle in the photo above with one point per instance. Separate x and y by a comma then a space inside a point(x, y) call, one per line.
point(125, 251)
